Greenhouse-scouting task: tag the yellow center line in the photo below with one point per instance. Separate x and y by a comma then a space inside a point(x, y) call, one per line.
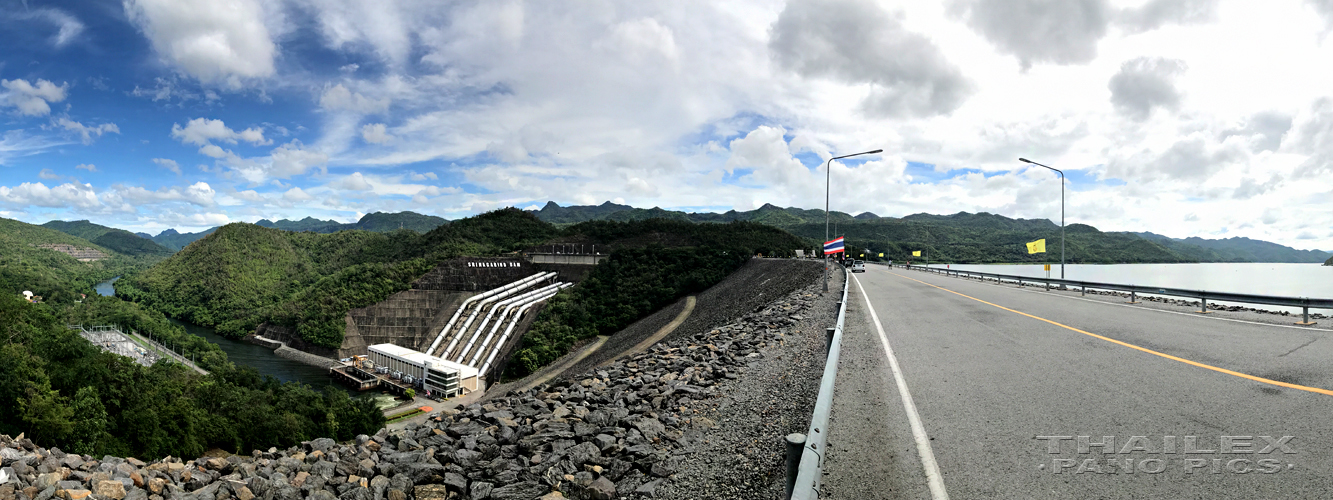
point(1132, 346)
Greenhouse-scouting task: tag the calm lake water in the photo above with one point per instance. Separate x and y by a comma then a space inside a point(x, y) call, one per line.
point(1293, 280)
point(247, 354)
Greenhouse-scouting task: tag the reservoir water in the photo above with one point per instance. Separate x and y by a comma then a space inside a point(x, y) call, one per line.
point(1291, 280)
point(247, 354)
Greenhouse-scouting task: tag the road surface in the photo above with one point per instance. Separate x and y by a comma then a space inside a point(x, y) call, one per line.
point(1016, 391)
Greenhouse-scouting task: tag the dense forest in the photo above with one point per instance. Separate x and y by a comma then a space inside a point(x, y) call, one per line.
point(653, 263)
point(62, 391)
point(119, 240)
point(55, 276)
point(243, 275)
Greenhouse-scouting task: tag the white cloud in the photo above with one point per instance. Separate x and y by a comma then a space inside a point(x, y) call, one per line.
point(199, 194)
point(338, 98)
point(375, 133)
point(296, 195)
point(68, 28)
point(68, 195)
point(168, 164)
point(202, 131)
point(30, 99)
point(293, 159)
point(86, 133)
point(215, 41)
point(353, 182)
point(86, 166)
point(421, 177)
point(48, 174)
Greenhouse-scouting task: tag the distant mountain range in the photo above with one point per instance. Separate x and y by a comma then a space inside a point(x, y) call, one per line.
point(378, 222)
point(963, 237)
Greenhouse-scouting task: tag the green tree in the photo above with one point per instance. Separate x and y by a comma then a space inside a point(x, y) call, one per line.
point(90, 421)
point(47, 414)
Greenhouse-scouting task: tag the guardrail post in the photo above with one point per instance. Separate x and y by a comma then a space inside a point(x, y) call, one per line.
point(1203, 305)
point(795, 446)
point(1083, 291)
point(1133, 297)
point(1305, 313)
point(828, 339)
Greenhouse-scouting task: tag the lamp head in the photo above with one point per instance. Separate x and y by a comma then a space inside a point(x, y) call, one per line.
point(1025, 160)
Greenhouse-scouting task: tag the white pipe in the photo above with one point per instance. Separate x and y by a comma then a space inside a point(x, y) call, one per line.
point(500, 320)
point(462, 354)
point(447, 327)
point(500, 343)
point(509, 289)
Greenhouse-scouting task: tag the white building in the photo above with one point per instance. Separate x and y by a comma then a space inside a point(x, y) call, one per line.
point(439, 376)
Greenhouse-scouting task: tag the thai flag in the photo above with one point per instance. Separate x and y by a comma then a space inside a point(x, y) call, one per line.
point(834, 246)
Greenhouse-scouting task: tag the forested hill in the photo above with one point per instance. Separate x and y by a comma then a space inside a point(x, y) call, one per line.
point(379, 222)
point(963, 237)
point(1236, 250)
point(244, 274)
point(120, 240)
point(56, 276)
point(1329, 262)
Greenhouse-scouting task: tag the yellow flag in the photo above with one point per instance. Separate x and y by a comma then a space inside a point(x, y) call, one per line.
point(863, 255)
point(916, 253)
point(1038, 246)
point(881, 254)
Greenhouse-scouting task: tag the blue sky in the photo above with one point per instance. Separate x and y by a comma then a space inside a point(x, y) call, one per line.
point(1185, 118)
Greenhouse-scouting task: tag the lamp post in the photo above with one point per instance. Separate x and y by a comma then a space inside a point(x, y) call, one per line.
point(1062, 212)
point(828, 173)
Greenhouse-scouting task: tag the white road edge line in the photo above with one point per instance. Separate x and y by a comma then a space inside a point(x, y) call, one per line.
point(933, 477)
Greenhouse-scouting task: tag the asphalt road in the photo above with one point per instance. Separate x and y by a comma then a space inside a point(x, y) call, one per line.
point(990, 385)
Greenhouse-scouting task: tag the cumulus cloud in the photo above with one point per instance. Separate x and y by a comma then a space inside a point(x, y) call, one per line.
point(32, 99)
point(1146, 83)
point(1158, 13)
point(1264, 130)
point(199, 193)
point(421, 177)
point(86, 166)
point(858, 42)
point(168, 164)
point(354, 182)
point(1067, 32)
point(339, 98)
point(295, 159)
point(86, 133)
point(1061, 32)
point(214, 41)
point(1191, 158)
point(68, 195)
point(201, 131)
point(48, 174)
point(296, 195)
point(375, 133)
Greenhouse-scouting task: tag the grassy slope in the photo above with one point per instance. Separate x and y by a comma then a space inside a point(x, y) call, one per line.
point(119, 240)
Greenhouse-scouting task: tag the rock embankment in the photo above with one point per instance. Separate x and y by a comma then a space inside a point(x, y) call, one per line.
point(689, 412)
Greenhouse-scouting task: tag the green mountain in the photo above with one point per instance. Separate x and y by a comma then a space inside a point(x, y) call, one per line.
point(379, 222)
point(965, 237)
point(244, 274)
point(1238, 249)
point(31, 259)
point(176, 240)
point(119, 240)
point(1329, 262)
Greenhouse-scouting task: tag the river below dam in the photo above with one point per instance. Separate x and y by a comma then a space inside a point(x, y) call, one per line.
point(247, 354)
point(1289, 280)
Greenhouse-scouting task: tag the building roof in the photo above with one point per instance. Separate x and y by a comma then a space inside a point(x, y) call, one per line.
point(423, 359)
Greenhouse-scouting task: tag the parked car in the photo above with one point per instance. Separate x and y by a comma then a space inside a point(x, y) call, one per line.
point(858, 266)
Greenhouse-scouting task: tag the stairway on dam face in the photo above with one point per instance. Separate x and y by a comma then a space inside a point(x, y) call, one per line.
point(412, 318)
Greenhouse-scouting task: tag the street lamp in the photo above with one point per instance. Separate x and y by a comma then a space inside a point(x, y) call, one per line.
point(1062, 212)
point(828, 172)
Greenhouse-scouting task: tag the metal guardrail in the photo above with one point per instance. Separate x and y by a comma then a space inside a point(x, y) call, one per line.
point(1305, 303)
point(805, 453)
